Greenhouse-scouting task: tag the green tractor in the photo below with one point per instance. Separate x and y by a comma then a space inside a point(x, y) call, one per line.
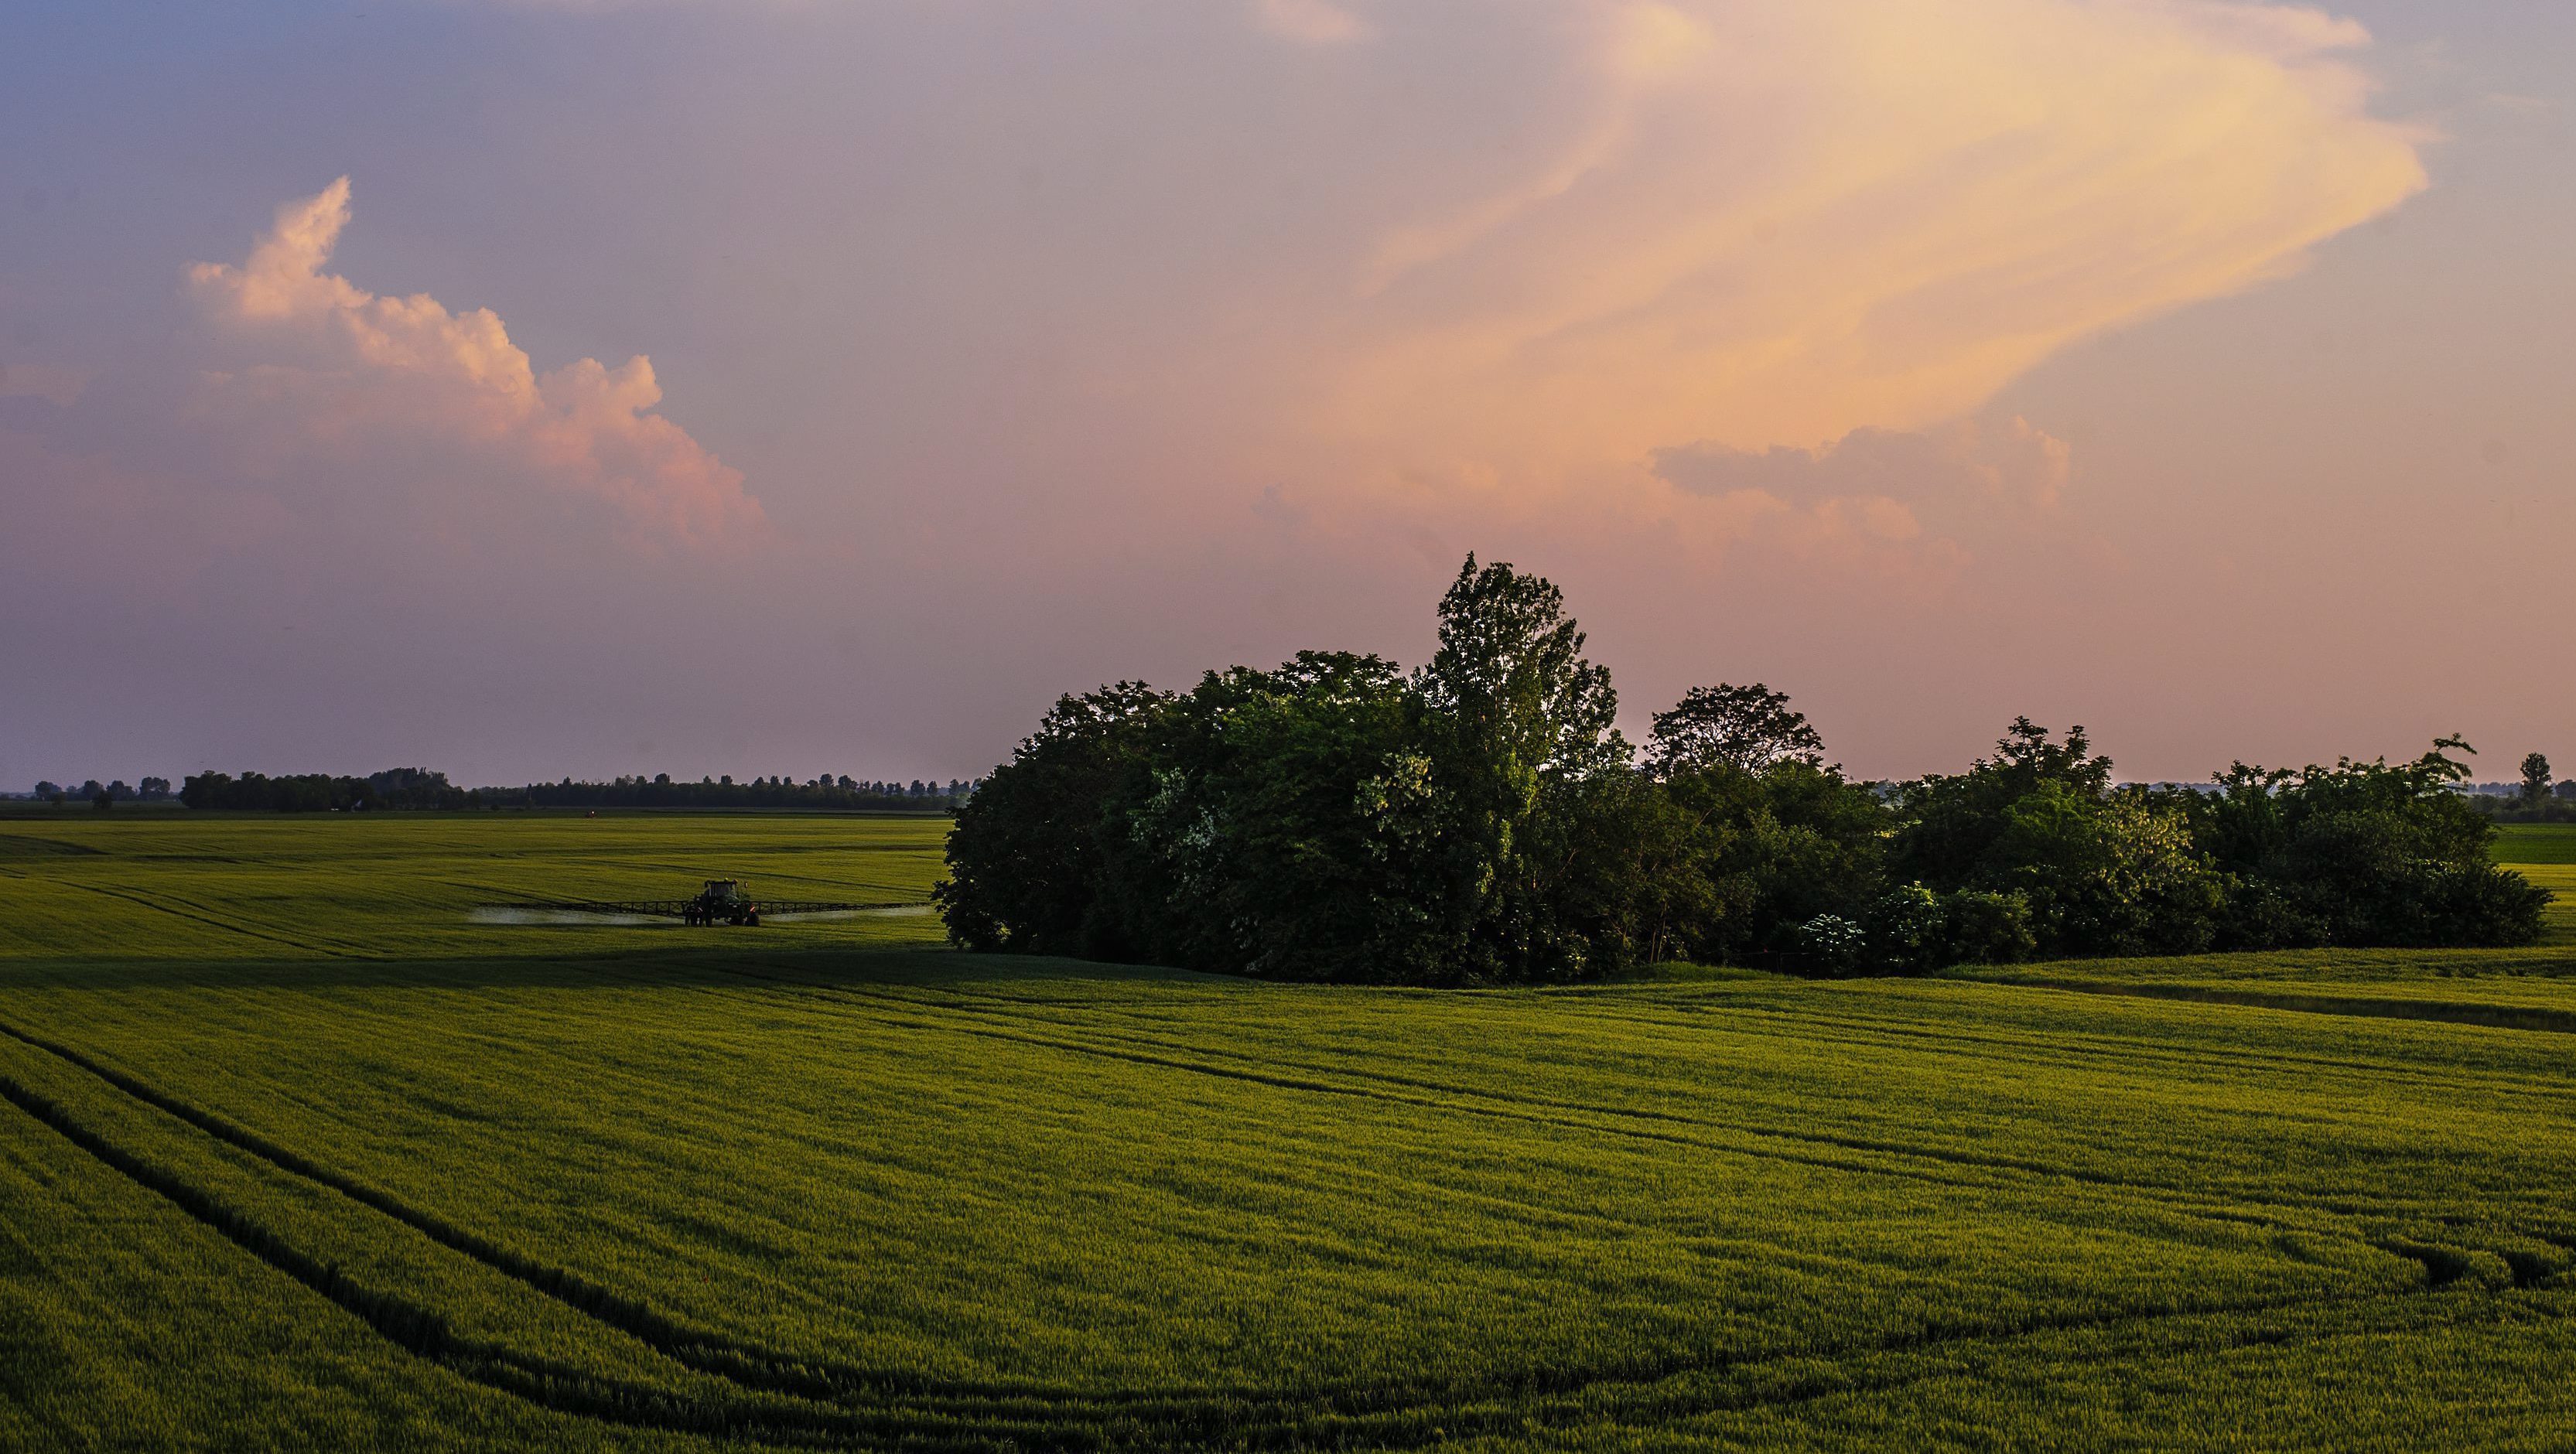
point(722, 901)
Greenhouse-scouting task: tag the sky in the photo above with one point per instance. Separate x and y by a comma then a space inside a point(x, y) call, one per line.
point(801, 386)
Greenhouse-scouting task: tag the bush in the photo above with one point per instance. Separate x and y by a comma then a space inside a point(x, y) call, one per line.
point(1832, 944)
point(1914, 930)
point(2362, 854)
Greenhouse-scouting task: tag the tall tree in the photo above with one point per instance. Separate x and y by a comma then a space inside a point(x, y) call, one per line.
point(2535, 780)
point(1517, 721)
point(1730, 726)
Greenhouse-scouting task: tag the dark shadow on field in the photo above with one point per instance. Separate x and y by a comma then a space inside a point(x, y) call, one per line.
point(730, 954)
point(2358, 966)
point(616, 969)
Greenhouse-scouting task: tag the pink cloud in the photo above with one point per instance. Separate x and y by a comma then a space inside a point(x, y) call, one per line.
point(341, 372)
point(1963, 462)
point(1759, 223)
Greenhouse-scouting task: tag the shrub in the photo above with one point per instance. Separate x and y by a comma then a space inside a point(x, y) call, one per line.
point(1832, 944)
point(1914, 930)
point(2362, 854)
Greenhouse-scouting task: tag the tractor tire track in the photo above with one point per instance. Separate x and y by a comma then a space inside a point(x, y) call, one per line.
point(211, 923)
point(1262, 1416)
point(1562, 1399)
point(1565, 1116)
point(988, 1420)
point(426, 1334)
point(699, 1349)
point(2046, 1170)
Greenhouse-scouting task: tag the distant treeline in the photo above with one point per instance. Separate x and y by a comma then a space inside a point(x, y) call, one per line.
point(2532, 800)
point(1480, 820)
point(106, 795)
point(2559, 807)
point(417, 788)
point(660, 791)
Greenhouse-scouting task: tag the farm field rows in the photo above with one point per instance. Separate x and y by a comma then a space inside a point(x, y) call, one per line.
point(299, 1153)
point(176, 886)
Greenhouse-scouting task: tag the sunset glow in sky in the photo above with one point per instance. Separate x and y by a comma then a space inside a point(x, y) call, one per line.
point(588, 388)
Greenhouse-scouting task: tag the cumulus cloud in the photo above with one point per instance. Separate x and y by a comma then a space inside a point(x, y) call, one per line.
point(1963, 462)
point(1761, 222)
point(364, 379)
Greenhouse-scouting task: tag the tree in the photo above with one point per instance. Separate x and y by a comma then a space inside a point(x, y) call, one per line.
point(1516, 720)
point(1806, 842)
point(2099, 870)
point(2107, 876)
point(155, 789)
point(100, 798)
point(1954, 820)
point(1915, 930)
point(1027, 858)
point(1647, 878)
point(2535, 780)
point(51, 792)
point(1285, 827)
point(1743, 727)
point(2363, 854)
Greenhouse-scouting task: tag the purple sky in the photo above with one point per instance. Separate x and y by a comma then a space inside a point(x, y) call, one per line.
point(807, 387)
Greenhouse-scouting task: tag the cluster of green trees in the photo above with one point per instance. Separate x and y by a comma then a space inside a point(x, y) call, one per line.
point(105, 795)
point(1482, 820)
point(412, 787)
point(314, 792)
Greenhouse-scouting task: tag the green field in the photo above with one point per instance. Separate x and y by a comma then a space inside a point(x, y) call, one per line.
point(308, 1148)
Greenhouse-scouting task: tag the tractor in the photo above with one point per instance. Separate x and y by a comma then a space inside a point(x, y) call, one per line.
point(722, 901)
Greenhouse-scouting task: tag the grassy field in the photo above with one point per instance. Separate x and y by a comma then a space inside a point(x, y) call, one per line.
point(306, 1150)
point(2547, 856)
